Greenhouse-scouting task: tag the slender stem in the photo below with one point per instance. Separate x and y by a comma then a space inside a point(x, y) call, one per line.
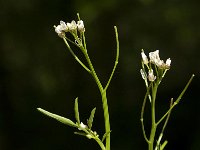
point(104, 97)
point(142, 115)
point(166, 114)
point(172, 105)
point(84, 41)
point(163, 128)
point(116, 59)
point(103, 94)
point(93, 72)
point(102, 90)
point(76, 58)
point(185, 88)
point(153, 119)
point(163, 145)
point(158, 141)
point(167, 119)
point(100, 143)
point(177, 100)
point(95, 138)
point(106, 118)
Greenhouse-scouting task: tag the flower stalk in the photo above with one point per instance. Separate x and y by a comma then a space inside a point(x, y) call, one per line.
point(77, 31)
point(152, 82)
point(153, 71)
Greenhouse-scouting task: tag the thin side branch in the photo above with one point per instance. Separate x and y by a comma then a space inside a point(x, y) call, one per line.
point(177, 100)
point(116, 59)
point(76, 58)
point(142, 115)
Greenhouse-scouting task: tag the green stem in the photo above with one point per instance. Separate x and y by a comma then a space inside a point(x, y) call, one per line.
point(103, 94)
point(158, 146)
point(100, 143)
point(102, 90)
point(153, 118)
point(142, 115)
point(76, 58)
point(93, 72)
point(116, 59)
point(177, 100)
point(167, 119)
point(106, 118)
point(185, 88)
point(168, 112)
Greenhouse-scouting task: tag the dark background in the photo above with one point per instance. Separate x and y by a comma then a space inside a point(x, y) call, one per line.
point(36, 70)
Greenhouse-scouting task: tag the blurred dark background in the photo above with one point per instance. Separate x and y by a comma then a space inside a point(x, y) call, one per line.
point(36, 70)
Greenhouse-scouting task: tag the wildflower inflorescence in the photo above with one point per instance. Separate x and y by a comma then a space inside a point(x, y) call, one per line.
point(153, 70)
point(72, 27)
point(155, 59)
point(160, 66)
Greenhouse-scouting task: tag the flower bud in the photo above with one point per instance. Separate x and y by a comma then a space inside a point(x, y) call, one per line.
point(151, 76)
point(89, 136)
point(144, 58)
point(82, 126)
point(168, 62)
point(59, 31)
point(80, 26)
point(72, 26)
point(63, 26)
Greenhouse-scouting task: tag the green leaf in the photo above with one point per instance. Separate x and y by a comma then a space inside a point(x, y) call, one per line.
point(76, 111)
point(80, 133)
point(58, 118)
point(90, 120)
point(105, 135)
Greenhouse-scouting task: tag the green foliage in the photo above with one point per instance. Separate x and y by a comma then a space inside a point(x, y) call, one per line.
point(90, 120)
point(76, 111)
point(59, 118)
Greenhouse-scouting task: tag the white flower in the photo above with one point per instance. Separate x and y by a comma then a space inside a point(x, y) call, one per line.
point(82, 126)
point(144, 58)
point(155, 58)
point(168, 63)
point(63, 26)
point(80, 26)
point(61, 29)
point(58, 29)
point(151, 76)
point(72, 26)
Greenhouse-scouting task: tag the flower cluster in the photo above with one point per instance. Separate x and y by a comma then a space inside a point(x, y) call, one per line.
point(69, 27)
point(154, 59)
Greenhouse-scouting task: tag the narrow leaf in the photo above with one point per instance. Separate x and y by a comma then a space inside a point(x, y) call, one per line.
point(105, 135)
point(76, 111)
point(90, 120)
point(58, 118)
point(80, 133)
